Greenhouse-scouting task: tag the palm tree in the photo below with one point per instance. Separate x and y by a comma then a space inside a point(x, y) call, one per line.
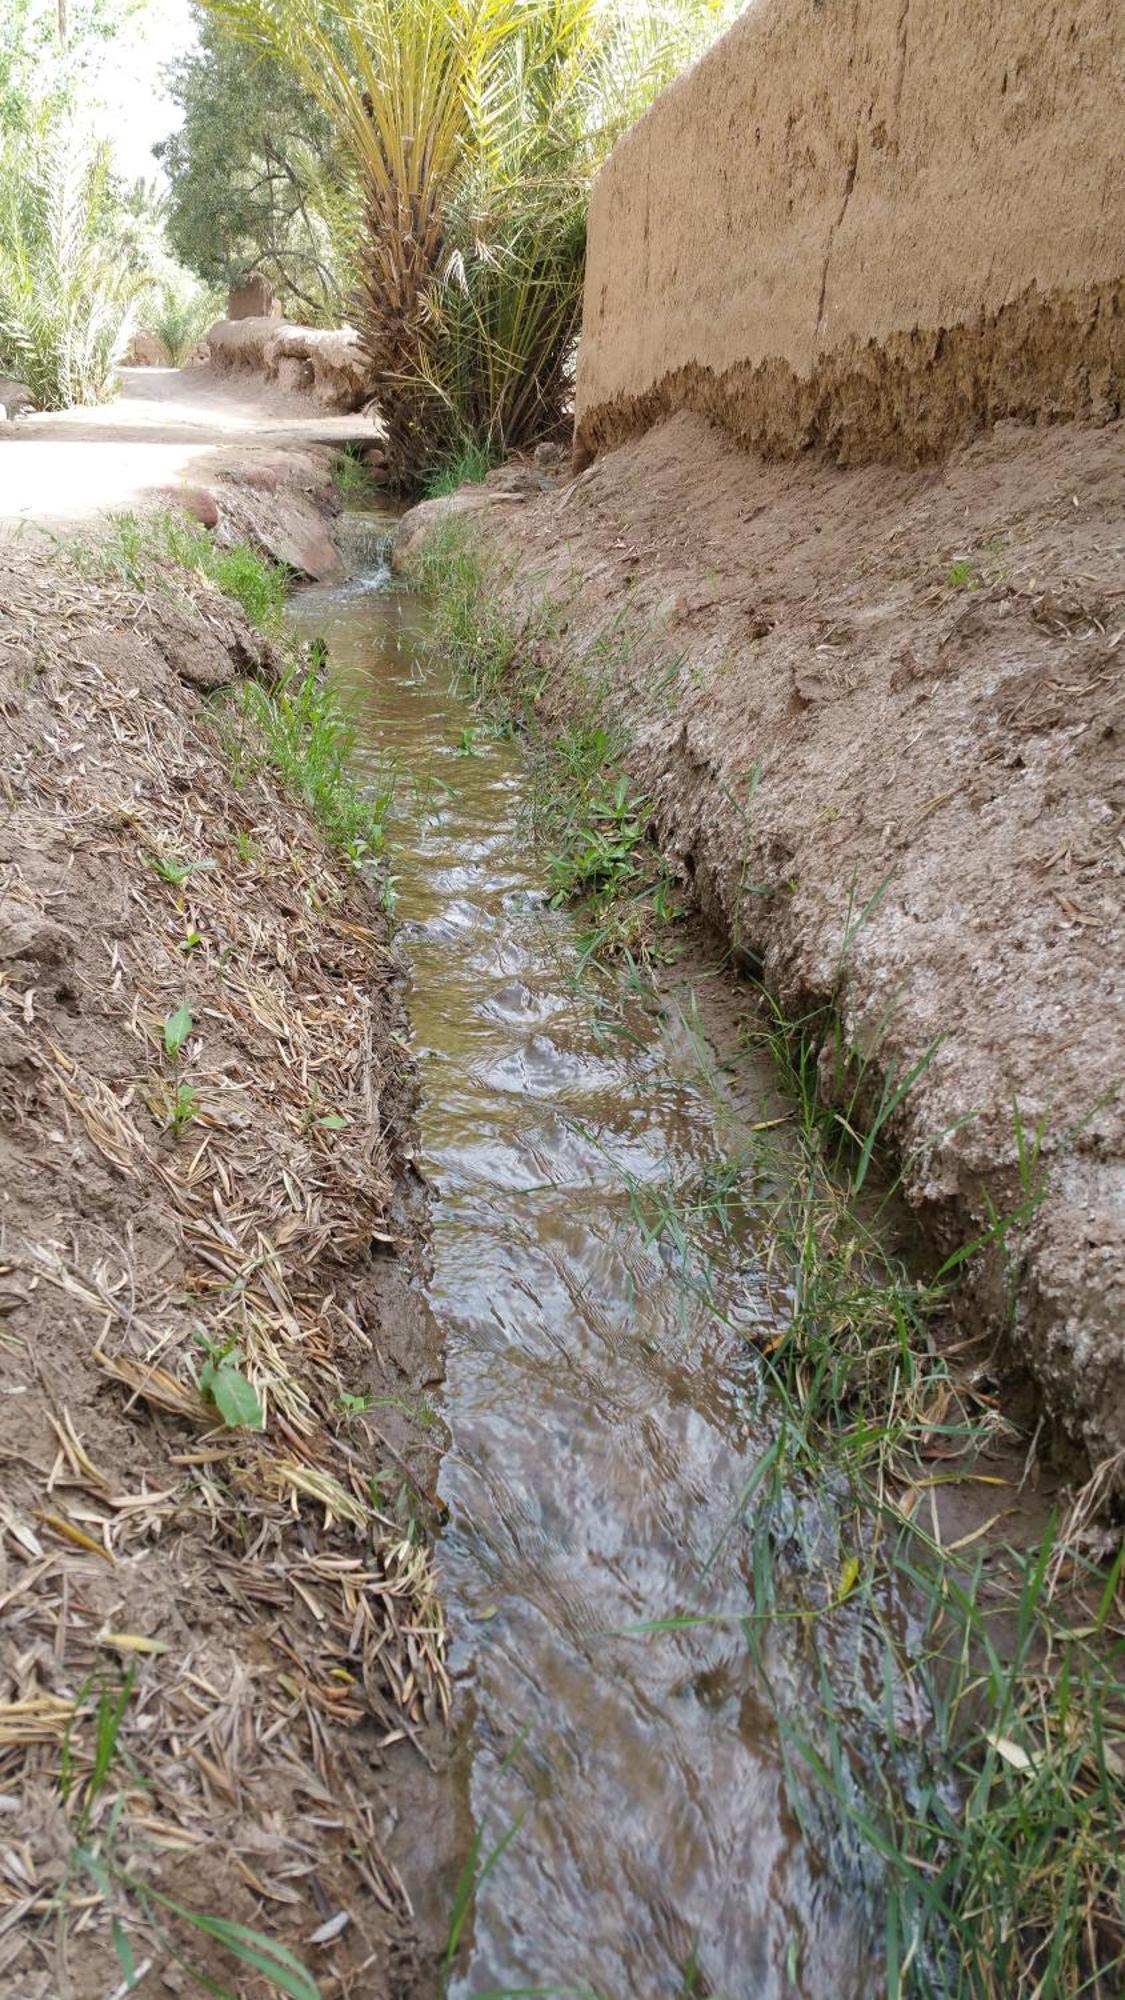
point(406, 85)
point(474, 127)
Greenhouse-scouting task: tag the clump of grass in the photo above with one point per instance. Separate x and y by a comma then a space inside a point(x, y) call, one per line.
point(140, 549)
point(299, 730)
point(351, 476)
point(589, 823)
point(465, 467)
point(183, 1107)
point(962, 575)
point(472, 634)
point(295, 726)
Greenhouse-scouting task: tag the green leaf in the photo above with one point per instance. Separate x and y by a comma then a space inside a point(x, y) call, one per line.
point(177, 1028)
point(253, 1948)
point(124, 1950)
point(235, 1398)
point(333, 1122)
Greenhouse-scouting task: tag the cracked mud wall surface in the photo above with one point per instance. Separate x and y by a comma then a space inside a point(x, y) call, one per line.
point(869, 225)
point(907, 686)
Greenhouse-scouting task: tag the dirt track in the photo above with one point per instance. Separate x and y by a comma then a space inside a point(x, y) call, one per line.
point(168, 426)
point(907, 687)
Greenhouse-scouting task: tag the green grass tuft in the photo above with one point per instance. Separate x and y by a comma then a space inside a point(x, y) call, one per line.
point(298, 729)
point(465, 467)
point(139, 549)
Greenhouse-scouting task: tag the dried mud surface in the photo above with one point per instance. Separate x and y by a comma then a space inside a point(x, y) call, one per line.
point(838, 683)
point(872, 225)
point(906, 399)
point(274, 1759)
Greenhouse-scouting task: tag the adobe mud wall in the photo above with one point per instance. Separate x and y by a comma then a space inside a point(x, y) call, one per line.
point(871, 225)
point(325, 363)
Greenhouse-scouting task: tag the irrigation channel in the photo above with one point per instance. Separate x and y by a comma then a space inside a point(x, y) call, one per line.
point(606, 1409)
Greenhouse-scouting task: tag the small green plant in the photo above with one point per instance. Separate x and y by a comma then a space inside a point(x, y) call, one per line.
point(298, 728)
point(352, 477)
point(184, 1107)
point(171, 869)
point(466, 467)
point(223, 1383)
point(246, 848)
point(962, 575)
point(353, 1404)
point(598, 853)
point(177, 1028)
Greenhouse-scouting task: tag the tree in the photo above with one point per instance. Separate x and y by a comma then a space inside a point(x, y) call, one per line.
point(473, 128)
point(49, 50)
point(257, 179)
point(68, 294)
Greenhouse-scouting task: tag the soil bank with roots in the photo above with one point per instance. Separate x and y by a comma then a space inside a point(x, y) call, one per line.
point(900, 692)
point(257, 1603)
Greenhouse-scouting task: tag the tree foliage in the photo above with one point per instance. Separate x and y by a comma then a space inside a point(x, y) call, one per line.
point(473, 128)
point(257, 179)
point(68, 293)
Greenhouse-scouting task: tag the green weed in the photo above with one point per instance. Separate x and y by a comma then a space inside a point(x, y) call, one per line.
point(353, 1405)
point(139, 549)
point(298, 729)
point(588, 822)
point(223, 1382)
point(171, 869)
point(962, 575)
point(177, 1028)
point(464, 467)
point(183, 1107)
point(351, 476)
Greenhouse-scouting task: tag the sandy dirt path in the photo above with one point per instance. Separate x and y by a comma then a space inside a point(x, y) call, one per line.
point(168, 427)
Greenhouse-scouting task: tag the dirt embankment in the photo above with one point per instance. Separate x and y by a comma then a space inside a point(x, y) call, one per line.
point(871, 225)
point(221, 1659)
point(326, 363)
point(901, 693)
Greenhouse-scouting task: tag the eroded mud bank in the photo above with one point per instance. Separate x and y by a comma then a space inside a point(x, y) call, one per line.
point(222, 1659)
point(877, 717)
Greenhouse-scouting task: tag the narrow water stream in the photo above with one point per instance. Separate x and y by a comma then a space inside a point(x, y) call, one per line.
point(605, 1413)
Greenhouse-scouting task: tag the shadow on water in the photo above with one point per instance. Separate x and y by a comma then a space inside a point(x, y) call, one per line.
point(605, 1409)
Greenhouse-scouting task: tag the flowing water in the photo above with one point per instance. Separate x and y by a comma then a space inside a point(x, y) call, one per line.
point(604, 1407)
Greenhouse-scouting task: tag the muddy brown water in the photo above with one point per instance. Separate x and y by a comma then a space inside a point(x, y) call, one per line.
point(604, 1408)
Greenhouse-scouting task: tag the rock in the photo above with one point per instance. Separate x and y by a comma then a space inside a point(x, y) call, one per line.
point(419, 522)
point(512, 479)
point(300, 541)
point(195, 501)
point(15, 397)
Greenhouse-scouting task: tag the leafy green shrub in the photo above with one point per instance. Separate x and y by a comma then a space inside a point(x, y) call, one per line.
point(68, 293)
point(180, 315)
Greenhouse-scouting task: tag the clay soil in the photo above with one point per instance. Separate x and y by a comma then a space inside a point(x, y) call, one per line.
point(896, 693)
point(257, 1604)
